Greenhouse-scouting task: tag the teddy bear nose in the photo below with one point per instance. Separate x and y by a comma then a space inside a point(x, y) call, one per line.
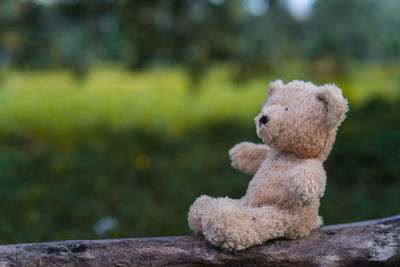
point(264, 119)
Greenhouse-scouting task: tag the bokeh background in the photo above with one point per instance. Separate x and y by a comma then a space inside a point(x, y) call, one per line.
point(116, 115)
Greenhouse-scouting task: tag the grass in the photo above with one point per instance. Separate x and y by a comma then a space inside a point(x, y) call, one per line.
point(53, 106)
point(154, 101)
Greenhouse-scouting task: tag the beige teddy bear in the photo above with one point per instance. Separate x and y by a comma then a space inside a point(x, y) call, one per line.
point(298, 126)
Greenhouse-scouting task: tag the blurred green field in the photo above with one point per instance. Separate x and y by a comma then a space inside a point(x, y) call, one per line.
point(139, 147)
point(52, 105)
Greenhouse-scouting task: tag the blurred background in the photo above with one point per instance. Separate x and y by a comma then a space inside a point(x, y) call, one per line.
point(116, 115)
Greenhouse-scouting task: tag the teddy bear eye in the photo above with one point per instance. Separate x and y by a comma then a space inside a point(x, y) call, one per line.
point(286, 109)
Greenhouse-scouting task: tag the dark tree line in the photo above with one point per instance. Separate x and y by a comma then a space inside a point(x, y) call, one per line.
point(196, 33)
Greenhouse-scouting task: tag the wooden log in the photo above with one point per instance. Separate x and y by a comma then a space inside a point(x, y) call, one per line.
point(369, 243)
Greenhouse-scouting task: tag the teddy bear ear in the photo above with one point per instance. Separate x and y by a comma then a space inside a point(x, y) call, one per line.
point(274, 86)
point(336, 104)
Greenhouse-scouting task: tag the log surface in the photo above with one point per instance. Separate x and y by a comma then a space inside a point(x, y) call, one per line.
point(369, 243)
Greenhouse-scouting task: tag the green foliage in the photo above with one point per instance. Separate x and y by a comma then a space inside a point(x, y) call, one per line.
point(49, 193)
point(143, 149)
point(364, 166)
point(195, 34)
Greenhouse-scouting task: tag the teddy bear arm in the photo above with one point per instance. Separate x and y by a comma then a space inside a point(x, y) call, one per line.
point(306, 183)
point(247, 157)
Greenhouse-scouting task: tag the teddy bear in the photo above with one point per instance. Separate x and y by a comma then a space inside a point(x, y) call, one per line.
point(297, 126)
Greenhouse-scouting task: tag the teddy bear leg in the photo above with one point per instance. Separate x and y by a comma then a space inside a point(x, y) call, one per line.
point(232, 226)
point(196, 211)
point(302, 224)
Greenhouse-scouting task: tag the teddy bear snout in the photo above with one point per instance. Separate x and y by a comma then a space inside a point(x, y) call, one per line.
point(263, 120)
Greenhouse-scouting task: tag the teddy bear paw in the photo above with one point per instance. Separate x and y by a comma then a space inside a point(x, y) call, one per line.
point(237, 152)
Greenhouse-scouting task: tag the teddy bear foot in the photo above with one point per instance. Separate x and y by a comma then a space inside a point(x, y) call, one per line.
point(196, 211)
point(225, 224)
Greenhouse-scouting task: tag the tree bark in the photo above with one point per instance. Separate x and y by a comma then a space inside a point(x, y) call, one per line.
point(369, 243)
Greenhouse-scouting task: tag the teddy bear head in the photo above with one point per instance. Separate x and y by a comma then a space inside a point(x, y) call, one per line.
point(301, 118)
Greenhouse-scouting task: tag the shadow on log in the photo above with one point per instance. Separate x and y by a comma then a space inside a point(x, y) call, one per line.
point(369, 243)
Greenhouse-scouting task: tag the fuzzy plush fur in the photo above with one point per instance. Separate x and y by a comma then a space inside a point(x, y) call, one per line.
point(298, 126)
